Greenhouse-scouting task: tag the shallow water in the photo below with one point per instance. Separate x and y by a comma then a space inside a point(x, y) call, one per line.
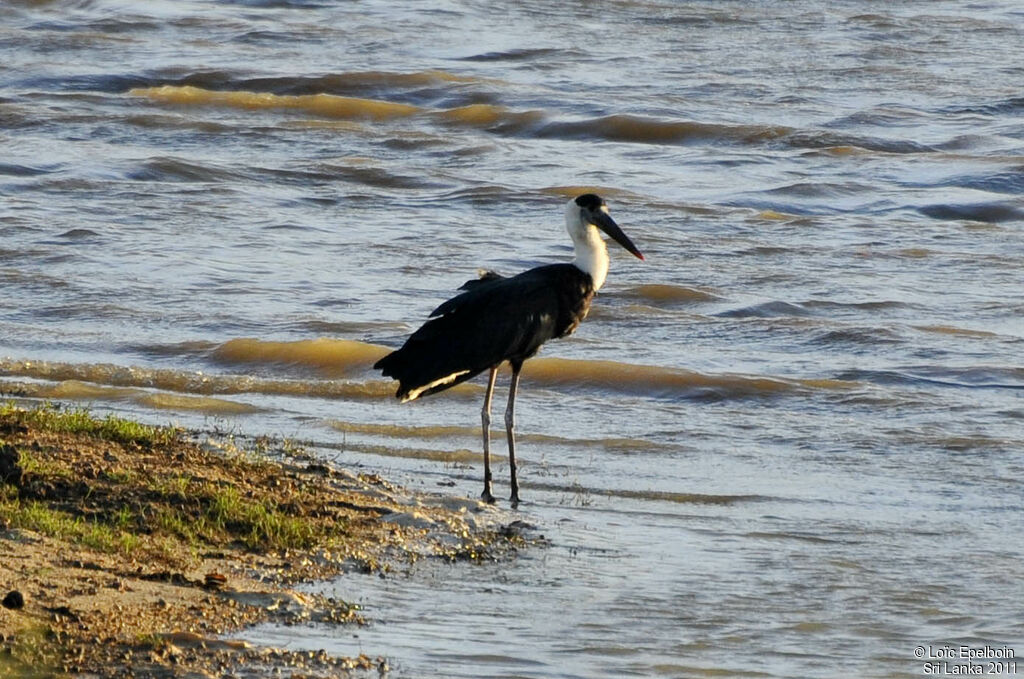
point(788, 444)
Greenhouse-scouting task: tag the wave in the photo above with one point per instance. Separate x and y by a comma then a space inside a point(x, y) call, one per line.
point(346, 83)
point(78, 234)
point(330, 105)
point(501, 120)
point(669, 294)
point(166, 169)
point(666, 382)
point(992, 213)
point(332, 357)
point(981, 443)
point(810, 190)
point(854, 336)
point(76, 390)
point(976, 377)
point(337, 358)
point(773, 309)
point(448, 455)
point(855, 306)
point(343, 358)
point(16, 170)
point(657, 495)
point(639, 129)
point(520, 54)
point(495, 118)
point(448, 432)
point(841, 143)
point(1009, 105)
point(1008, 181)
point(198, 383)
point(647, 130)
point(367, 175)
point(956, 331)
point(410, 87)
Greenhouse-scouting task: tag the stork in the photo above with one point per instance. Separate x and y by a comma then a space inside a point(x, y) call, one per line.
point(500, 319)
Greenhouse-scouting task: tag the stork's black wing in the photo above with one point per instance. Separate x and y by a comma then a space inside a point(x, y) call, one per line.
point(496, 319)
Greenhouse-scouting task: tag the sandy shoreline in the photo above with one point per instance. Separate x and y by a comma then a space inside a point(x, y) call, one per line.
point(129, 550)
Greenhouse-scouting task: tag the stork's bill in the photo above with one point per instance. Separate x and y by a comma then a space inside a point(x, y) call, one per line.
point(604, 221)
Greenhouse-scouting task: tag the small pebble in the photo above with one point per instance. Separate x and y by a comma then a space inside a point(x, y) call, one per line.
point(14, 600)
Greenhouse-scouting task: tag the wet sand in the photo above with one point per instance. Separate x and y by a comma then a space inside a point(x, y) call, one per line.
point(132, 550)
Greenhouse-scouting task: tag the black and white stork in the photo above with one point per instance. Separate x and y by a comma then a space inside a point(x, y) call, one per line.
point(500, 319)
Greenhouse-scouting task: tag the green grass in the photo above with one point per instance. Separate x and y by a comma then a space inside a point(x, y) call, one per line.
point(31, 464)
point(36, 516)
point(172, 487)
point(257, 523)
point(80, 421)
point(147, 509)
point(176, 523)
point(124, 477)
point(215, 512)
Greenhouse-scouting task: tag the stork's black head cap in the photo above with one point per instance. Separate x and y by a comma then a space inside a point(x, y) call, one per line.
point(591, 201)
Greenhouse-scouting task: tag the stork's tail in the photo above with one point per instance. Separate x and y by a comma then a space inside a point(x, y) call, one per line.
point(417, 374)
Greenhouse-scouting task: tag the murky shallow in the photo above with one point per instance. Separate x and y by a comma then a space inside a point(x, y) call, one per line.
point(789, 444)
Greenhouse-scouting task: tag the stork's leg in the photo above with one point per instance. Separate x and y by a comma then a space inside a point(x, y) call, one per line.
point(510, 423)
point(485, 417)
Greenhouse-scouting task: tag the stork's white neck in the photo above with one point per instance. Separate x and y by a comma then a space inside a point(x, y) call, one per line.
point(591, 252)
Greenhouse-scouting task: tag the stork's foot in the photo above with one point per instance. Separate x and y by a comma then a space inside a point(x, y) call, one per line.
point(487, 497)
point(514, 500)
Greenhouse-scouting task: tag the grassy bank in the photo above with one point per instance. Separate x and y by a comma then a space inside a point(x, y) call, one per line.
point(129, 546)
point(144, 491)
